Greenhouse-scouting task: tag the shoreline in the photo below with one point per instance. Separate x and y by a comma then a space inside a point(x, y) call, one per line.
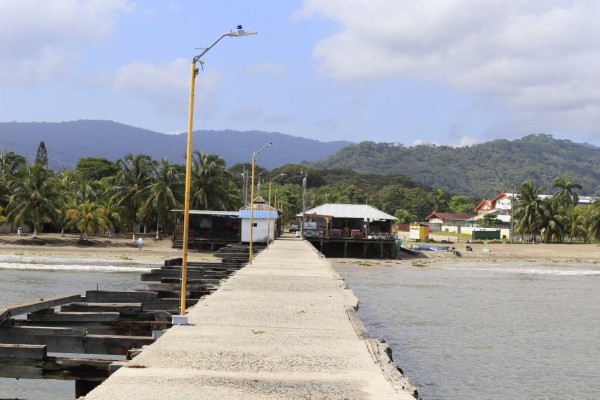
point(116, 248)
point(119, 249)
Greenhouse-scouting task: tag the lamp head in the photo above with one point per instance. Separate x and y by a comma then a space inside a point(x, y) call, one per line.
point(239, 31)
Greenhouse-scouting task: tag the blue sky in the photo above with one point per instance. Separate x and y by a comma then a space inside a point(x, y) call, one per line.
point(452, 72)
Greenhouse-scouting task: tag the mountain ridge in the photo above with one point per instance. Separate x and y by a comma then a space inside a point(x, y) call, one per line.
point(69, 141)
point(480, 170)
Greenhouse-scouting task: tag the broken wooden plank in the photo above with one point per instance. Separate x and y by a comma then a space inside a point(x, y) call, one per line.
point(129, 308)
point(34, 352)
point(74, 317)
point(56, 368)
point(32, 306)
point(134, 328)
point(83, 344)
point(102, 296)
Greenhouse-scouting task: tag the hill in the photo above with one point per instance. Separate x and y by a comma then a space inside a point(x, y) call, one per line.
point(481, 170)
point(67, 142)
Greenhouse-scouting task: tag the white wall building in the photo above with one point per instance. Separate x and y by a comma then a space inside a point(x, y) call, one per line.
point(264, 222)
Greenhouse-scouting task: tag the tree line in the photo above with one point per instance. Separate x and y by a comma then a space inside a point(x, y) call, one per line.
point(100, 195)
point(557, 217)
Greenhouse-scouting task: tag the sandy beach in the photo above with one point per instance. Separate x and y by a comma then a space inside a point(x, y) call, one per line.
point(95, 247)
point(104, 247)
point(540, 253)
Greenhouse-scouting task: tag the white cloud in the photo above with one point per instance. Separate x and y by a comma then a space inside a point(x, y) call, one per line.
point(536, 60)
point(166, 86)
point(41, 40)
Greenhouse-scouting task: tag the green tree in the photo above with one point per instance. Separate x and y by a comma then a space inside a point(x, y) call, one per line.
point(527, 209)
point(461, 204)
point(490, 220)
point(405, 217)
point(566, 194)
point(87, 217)
point(164, 192)
point(574, 223)
point(212, 186)
point(592, 220)
point(33, 198)
point(96, 168)
point(550, 220)
point(440, 200)
point(135, 174)
point(41, 157)
point(12, 167)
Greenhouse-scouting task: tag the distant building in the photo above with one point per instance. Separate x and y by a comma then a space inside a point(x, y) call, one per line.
point(438, 220)
point(264, 219)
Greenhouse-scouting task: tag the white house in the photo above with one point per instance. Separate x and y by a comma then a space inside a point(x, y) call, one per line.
point(264, 220)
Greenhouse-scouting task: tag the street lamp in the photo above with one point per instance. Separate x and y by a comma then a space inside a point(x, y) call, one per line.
point(305, 173)
point(238, 32)
point(269, 212)
point(254, 155)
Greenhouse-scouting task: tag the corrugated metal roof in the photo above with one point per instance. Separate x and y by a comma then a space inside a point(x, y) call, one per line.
point(362, 211)
point(209, 212)
point(258, 214)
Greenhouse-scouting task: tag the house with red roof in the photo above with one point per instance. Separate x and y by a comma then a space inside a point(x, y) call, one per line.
point(502, 202)
point(437, 220)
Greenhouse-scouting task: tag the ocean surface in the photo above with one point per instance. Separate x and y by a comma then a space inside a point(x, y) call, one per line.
point(487, 331)
point(29, 278)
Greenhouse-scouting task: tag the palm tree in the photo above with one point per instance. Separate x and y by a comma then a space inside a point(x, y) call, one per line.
point(574, 223)
point(33, 198)
point(212, 186)
point(440, 200)
point(592, 219)
point(135, 175)
point(550, 220)
point(164, 192)
point(527, 209)
point(87, 217)
point(566, 194)
point(12, 166)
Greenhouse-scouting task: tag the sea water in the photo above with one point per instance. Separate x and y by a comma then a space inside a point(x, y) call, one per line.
point(487, 331)
point(31, 278)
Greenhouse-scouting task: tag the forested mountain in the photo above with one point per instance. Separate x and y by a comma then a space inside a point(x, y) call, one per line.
point(481, 170)
point(67, 142)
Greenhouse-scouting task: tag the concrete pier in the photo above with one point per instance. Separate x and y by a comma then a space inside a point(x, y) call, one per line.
point(281, 328)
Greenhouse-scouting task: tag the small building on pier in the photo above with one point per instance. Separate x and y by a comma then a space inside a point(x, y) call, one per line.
point(265, 220)
point(209, 230)
point(356, 230)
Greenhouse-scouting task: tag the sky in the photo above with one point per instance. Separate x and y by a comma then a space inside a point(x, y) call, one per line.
point(446, 72)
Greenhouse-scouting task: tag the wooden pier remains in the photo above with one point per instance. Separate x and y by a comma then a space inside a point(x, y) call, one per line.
point(80, 338)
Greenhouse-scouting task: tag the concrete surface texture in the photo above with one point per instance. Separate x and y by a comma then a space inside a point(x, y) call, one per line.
point(278, 329)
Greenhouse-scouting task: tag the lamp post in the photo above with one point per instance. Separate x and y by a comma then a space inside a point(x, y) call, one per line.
point(239, 31)
point(254, 155)
point(303, 203)
point(269, 212)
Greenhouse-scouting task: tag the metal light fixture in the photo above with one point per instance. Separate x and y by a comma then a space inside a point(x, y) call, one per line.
point(254, 155)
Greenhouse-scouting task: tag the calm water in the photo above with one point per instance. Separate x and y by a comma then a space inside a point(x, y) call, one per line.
point(29, 279)
point(487, 331)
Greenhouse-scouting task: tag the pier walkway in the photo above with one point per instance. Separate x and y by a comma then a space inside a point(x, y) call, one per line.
point(281, 328)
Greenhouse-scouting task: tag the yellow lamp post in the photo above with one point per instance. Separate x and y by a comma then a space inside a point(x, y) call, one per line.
point(254, 155)
point(239, 31)
point(269, 212)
